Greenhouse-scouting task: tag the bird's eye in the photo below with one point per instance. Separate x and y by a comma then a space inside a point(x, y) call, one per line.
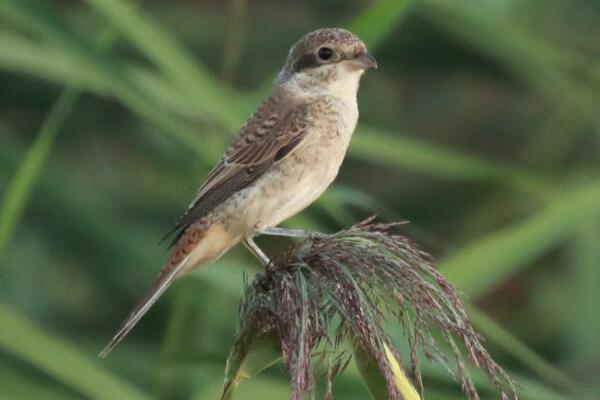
point(325, 53)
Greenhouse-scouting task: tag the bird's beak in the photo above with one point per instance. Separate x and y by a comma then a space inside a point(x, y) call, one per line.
point(365, 61)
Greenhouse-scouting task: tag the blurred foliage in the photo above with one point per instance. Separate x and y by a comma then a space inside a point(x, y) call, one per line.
point(481, 127)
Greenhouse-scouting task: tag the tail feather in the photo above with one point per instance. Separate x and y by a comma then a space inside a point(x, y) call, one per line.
point(163, 282)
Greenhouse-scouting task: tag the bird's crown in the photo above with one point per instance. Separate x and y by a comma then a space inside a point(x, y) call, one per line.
point(321, 47)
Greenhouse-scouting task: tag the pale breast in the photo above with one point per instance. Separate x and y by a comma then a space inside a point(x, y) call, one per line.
point(298, 180)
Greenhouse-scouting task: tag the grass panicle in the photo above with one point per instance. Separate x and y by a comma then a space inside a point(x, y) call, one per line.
point(329, 290)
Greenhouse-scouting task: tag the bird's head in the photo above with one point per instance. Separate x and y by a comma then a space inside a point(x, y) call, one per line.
point(327, 59)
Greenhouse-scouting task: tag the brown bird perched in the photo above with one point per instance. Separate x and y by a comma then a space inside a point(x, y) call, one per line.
point(282, 160)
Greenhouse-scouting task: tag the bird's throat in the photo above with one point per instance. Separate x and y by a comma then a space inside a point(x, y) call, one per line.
point(345, 85)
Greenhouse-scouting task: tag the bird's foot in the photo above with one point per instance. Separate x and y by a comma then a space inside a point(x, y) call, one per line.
point(257, 252)
point(296, 233)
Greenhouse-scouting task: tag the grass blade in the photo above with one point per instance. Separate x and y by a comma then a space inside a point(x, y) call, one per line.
point(247, 359)
point(505, 252)
point(375, 23)
point(22, 386)
point(175, 62)
point(512, 345)
point(538, 62)
point(585, 252)
point(382, 147)
point(29, 342)
point(20, 188)
point(369, 370)
point(89, 68)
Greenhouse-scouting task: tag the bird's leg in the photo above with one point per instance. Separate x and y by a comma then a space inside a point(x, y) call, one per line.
point(256, 251)
point(296, 233)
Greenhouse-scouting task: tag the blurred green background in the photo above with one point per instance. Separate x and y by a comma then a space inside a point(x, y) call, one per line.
point(481, 127)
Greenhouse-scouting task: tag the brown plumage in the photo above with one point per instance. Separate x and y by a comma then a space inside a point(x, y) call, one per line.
point(283, 158)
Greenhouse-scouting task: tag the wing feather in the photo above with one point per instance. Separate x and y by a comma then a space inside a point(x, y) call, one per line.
point(272, 133)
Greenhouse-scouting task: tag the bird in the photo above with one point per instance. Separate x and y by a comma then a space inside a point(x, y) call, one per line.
point(283, 158)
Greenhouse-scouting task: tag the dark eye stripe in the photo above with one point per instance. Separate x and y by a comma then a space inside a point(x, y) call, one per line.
point(306, 61)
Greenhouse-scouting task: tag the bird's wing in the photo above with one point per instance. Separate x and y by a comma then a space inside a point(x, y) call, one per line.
point(273, 132)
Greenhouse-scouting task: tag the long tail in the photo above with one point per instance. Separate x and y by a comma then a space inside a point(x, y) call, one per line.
point(162, 283)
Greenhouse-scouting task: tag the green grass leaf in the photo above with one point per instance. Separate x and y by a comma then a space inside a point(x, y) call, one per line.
point(174, 61)
point(59, 359)
point(73, 61)
point(584, 279)
point(248, 358)
point(384, 148)
point(375, 24)
point(369, 370)
point(544, 65)
point(506, 252)
point(20, 188)
point(24, 386)
point(495, 333)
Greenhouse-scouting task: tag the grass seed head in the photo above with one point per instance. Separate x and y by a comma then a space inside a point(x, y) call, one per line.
point(354, 279)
